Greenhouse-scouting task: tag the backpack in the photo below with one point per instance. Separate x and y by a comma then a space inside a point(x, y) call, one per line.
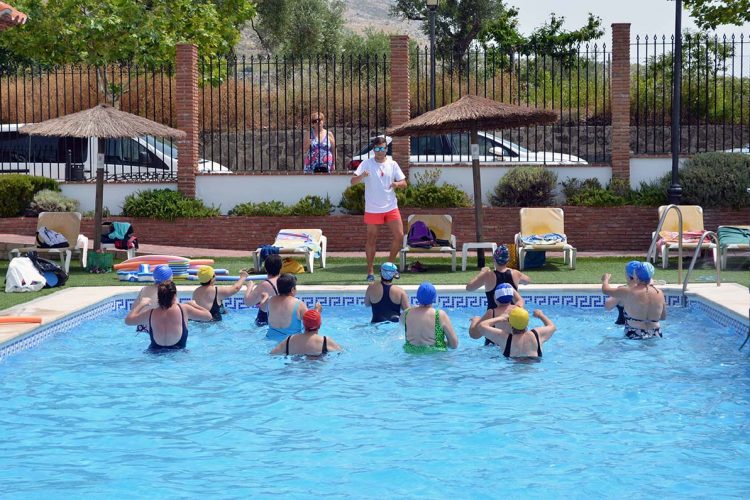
point(53, 274)
point(47, 238)
point(420, 236)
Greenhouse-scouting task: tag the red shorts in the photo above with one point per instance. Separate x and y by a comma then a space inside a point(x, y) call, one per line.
point(382, 218)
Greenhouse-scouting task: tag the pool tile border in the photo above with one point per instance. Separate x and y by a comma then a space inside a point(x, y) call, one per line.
point(328, 299)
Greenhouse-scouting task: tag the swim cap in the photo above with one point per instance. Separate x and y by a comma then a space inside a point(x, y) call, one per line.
point(205, 274)
point(311, 319)
point(630, 268)
point(519, 318)
point(426, 294)
point(645, 271)
point(162, 273)
point(502, 255)
point(389, 271)
point(504, 293)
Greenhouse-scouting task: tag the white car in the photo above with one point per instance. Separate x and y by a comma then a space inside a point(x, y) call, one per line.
point(127, 157)
point(448, 149)
point(745, 150)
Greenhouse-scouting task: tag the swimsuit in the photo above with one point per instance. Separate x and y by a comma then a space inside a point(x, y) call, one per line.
point(262, 318)
point(276, 333)
point(180, 344)
point(439, 345)
point(324, 351)
point(386, 309)
point(500, 278)
point(217, 309)
point(508, 343)
point(634, 333)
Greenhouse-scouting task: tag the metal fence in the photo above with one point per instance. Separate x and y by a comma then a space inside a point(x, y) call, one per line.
point(572, 82)
point(256, 111)
point(715, 97)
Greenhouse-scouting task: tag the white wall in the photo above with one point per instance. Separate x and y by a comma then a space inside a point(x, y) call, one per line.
point(114, 193)
point(649, 169)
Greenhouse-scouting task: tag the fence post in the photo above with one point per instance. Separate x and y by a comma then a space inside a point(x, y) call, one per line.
point(620, 95)
point(186, 79)
point(400, 98)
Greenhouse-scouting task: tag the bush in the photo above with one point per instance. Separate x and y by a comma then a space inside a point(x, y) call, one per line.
point(714, 180)
point(18, 190)
point(52, 201)
point(525, 187)
point(650, 194)
point(265, 208)
point(165, 204)
point(425, 193)
point(312, 205)
point(590, 193)
point(353, 199)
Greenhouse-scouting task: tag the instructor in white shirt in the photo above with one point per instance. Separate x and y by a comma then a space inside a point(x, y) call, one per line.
point(381, 176)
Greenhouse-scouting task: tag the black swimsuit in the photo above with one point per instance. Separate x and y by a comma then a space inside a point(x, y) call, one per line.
point(325, 345)
point(386, 309)
point(500, 278)
point(262, 318)
point(180, 344)
point(217, 309)
point(508, 343)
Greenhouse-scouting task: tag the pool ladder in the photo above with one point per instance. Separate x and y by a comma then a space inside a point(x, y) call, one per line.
point(651, 255)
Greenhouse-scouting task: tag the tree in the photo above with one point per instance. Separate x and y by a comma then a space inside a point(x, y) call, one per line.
point(708, 14)
point(458, 23)
point(99, 32)
point(300, 27)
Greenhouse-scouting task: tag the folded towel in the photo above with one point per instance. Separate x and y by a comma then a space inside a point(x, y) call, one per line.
point(687, 236)
point(297, 240)
point(544, 239)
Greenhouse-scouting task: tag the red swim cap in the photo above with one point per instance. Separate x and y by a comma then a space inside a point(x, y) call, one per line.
point(311, 319)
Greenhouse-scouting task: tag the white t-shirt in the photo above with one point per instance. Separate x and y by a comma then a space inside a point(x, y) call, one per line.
point(380, 196)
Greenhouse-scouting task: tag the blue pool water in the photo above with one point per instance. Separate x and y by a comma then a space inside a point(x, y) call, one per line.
point(90, 414)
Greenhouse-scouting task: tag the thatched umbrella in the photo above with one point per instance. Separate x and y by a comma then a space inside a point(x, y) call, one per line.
point(470, 114)
point(102, 122)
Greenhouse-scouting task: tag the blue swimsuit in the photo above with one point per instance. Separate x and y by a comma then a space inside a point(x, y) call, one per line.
point(295, 326)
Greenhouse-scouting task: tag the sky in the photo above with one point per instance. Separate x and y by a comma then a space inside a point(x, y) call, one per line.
point(645, 16)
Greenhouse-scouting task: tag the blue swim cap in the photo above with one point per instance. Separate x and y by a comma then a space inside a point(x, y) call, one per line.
point(504, 293)
point(162, 273)
point(426, 294)
point(389, 271)
point(645, 271)
point(630, 268)
point(502, 255)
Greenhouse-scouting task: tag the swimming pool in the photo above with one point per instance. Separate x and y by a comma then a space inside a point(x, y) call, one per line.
point(90, 414)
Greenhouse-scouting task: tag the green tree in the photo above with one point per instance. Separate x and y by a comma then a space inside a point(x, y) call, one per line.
point(102, 32)
point(300, 27)
point(708, 14)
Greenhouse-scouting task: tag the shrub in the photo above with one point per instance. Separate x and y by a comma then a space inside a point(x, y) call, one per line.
point(312, 205)
point(52, 201)
point(425, 193)
point(525, 187)
point(353, 199)
point(18, 190)
point(650, 194)
point(714, 180)
point(165, 204)
point(265, 208)
point(590, 193)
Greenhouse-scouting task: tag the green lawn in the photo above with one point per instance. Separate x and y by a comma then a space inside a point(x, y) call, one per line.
point(351, 271)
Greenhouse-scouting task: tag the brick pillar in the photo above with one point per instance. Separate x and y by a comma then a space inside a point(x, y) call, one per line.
point(400, 100)
point(187, 116)
point(620, 95)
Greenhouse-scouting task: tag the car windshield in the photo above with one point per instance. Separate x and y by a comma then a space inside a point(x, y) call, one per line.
point(510, 145)
point(165, 148)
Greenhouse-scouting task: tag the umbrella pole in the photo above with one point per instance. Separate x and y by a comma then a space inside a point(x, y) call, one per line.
point(477, 193)
point(99, 202)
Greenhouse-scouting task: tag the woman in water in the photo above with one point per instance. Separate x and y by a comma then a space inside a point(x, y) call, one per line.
point(167, 324)
point(308, 342)
point(427, 329)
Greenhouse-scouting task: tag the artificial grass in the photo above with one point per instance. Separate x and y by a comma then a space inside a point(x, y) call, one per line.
point(352, 271)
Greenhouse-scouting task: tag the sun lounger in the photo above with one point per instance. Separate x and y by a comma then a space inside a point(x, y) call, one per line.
point(309, 243)
point(442, 226)
point(543, 229)
point(69, 225)
point(732, 238)
point(692, 230)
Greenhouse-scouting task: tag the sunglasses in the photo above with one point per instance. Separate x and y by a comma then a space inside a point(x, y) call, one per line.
point(316, 121)
point(379, 148)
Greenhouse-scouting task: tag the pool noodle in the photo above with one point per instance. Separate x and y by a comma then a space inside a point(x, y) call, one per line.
point(252, 277)
point(20, 319)
point(218, 272)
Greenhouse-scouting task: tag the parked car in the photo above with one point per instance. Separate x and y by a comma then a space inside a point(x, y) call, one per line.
point(68, 158)
point(455, 148)
point(745, 149)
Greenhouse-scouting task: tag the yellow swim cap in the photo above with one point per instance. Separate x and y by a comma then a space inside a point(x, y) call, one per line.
point(205, 274)
point(519, 318)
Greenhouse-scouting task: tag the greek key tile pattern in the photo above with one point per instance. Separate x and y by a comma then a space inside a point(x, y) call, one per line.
point(451, 301)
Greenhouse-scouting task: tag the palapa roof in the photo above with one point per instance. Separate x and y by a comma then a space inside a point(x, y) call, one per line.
point(474, 112)
point(10, 17)
point(101, 121)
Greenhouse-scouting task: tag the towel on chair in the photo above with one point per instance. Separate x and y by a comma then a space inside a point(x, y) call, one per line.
point(544, 239)
point(688, 237)
point(302, 240)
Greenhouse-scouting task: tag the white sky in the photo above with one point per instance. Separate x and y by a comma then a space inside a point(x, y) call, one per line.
point(645, 16)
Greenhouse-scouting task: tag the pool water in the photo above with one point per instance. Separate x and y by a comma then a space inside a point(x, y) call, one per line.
point(91, 414)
